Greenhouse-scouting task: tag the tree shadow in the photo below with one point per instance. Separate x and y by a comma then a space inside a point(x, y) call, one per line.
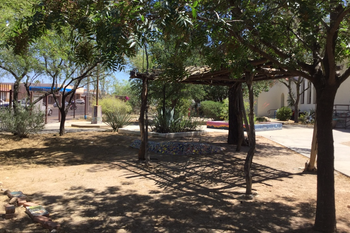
point(199, 193)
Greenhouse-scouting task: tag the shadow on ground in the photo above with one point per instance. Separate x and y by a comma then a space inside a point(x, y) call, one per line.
point(198, 193)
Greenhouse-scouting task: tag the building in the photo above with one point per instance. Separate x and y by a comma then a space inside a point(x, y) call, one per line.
point(36, 89)
point(268, 102)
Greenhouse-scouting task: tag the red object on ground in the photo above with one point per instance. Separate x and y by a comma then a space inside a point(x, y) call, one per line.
point(25, 204)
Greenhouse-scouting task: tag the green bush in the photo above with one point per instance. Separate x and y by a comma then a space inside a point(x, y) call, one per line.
point(168, 122)
point(23, 123)
point(112, 104)
point(115, 112)
point(303, 118)
point(224, 110)
point(284, 113)
point(261, 119)
point(211, 109)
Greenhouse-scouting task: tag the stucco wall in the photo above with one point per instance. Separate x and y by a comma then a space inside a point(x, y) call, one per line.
point(272, 99)
point(268, 102)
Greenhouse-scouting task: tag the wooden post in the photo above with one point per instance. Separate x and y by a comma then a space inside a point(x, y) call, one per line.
point(144, 134)
point(314, 145)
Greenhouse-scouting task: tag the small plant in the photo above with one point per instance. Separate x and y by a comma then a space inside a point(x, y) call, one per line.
point(261, 119)
point(169, 122)
point(211, 109)
point(302, 118)
point(117, 119)
point(24, 122)
point(284, 113)
point(307, 118)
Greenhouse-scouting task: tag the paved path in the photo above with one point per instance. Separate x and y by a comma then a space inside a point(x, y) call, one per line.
point(299, 139)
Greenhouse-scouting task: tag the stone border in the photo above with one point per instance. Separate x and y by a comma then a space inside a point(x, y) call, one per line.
point(165, 135)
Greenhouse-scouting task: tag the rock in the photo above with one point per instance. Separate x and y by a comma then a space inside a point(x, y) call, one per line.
point(10, 209)
point(9, 216)
point(13, 201)
point(41, 219)
point(50, 225)
point(21, 201)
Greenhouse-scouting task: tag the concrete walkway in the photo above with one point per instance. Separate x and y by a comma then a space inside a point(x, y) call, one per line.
point(299, 139)
point(75, 126)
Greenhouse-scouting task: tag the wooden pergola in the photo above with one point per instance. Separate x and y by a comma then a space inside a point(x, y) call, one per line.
point(206, 76)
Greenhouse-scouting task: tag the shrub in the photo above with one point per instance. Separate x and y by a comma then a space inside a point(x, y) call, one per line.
point(112, 104)
point(261, 119)
point(116, 119)
point(115, 112)
point(302, 118)
point(211, 109)
point(24, 122)
point(284, 113)
point(168, 122)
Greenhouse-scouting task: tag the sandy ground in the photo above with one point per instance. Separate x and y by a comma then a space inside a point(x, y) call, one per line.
point(92, 182)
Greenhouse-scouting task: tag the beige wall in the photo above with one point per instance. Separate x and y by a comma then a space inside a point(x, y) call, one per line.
point(343, 94)
point(272, 99)
point(268, 102)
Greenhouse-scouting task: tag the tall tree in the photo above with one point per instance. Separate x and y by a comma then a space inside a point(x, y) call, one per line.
point(304, 38)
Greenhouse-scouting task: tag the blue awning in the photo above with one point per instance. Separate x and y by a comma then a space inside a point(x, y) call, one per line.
point(38, 88)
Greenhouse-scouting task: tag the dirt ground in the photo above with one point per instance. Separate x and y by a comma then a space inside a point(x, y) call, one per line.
point(92, 182)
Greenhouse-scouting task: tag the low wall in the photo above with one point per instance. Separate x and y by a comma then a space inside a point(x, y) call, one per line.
point(258, 127)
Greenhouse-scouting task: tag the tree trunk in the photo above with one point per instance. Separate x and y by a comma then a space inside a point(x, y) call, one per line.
point(235, 133)
point(239, 113)
point(297, 99)
point(325, 211)
point(252, 142)
point(15, 95)
point(63, 120)
point(232, 117)
point(142, 151)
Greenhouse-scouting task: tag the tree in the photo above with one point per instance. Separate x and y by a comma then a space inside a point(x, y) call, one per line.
point(294, 98)
point(60, 61)
point(301, 38)
point(23, 64)
point(20, 67)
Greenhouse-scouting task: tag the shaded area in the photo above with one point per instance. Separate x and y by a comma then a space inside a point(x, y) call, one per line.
point(195, 193)
point(202, 194)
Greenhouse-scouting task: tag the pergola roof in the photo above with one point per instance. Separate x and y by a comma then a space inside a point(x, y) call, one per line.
point(204, 75)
